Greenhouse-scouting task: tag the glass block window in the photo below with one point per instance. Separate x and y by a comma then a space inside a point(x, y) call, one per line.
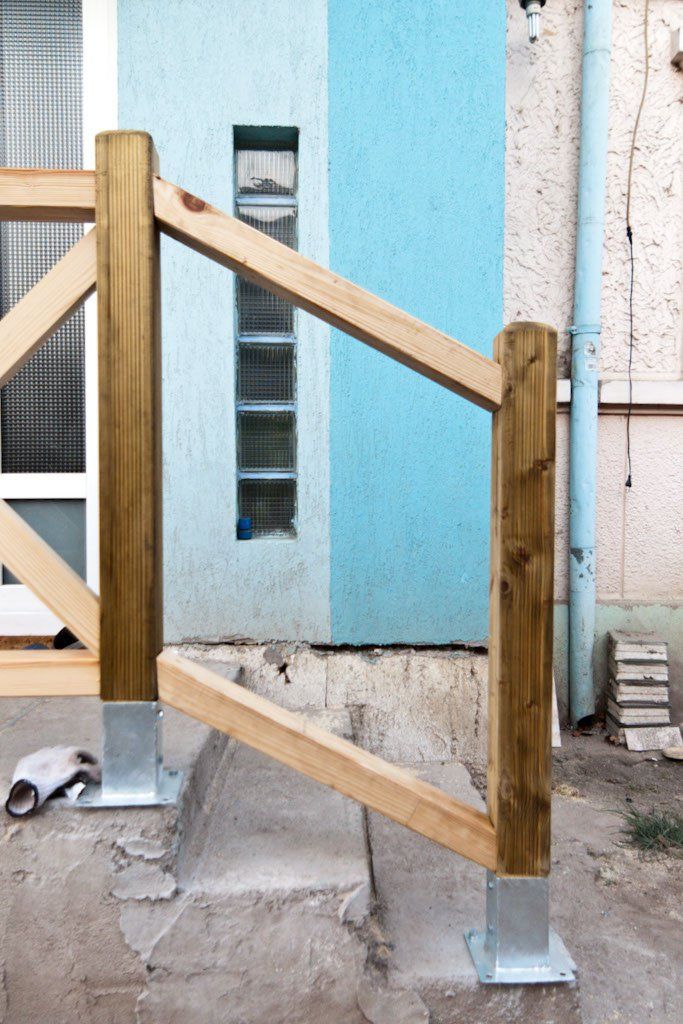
point(266, 200)
point(266, 172)
point(42, 409)
point(270, 504)
point(265, 373)
point(266, 440)
point(259, 311)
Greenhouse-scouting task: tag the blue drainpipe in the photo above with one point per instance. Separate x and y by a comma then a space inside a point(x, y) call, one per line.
point(583, 444)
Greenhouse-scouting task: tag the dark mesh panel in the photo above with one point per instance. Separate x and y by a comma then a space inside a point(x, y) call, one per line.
point(43, 407)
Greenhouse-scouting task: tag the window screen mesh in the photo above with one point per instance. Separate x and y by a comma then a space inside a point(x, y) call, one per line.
point(266, 172)
point(43, 407)
point(271, 505)
point(266, 440)
point(260, 312)
point(265, 373)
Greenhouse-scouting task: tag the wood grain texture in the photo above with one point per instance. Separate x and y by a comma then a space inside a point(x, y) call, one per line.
point(294, 741)
point(130, 416)
point(286, 273)
point(49, 577)
point(49, 674)
point(521, 627)
point(47, 306)
point(31, 194)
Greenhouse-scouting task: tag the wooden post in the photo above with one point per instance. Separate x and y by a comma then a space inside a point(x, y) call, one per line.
point(130, 416)
point(521, 627)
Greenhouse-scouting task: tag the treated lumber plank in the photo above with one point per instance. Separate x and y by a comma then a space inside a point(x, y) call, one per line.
point(286, 273)
point(296, 742)
point(36, 194)
point(49, 674)
point(49, 577)
point(521, 604)
point(129, 416)
point(47, 306)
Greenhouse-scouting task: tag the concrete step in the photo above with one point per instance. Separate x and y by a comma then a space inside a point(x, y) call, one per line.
point(274, 891)
point(254, 901)
point(427, 899)
point(267, 829)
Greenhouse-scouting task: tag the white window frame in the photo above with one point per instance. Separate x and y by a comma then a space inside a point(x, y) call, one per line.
point(21, 613)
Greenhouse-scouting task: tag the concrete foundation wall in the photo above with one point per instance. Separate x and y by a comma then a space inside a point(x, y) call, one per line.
point(407, 704)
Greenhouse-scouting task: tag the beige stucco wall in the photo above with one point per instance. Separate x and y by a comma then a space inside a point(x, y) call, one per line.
point(639, 531)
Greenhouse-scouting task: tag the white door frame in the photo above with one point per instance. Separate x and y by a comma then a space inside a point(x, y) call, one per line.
point(21, 613)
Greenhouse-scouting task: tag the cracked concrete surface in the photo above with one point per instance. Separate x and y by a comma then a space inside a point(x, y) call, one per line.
point(265, 898)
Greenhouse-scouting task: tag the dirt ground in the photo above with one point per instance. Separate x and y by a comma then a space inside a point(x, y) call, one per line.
point(614, 774)
point(620, 911)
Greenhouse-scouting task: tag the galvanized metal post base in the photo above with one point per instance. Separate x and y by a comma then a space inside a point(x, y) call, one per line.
point(518, 946)
point(132, 764)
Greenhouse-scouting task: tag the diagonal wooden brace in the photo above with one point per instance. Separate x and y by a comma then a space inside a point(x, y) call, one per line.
point(47, 306)
point(294, 741)
point(49, 577)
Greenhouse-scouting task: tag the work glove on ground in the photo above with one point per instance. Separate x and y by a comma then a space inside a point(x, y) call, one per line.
point(40, 775)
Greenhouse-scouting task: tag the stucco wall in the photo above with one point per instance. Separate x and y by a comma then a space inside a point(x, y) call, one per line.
point(188, 72)
point(543, 95)
point(416, 108)
point(639, 530)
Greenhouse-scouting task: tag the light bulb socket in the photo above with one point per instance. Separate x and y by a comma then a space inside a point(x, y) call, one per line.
point(532, 9)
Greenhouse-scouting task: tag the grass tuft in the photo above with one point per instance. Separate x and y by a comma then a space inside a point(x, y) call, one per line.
point(658, 830)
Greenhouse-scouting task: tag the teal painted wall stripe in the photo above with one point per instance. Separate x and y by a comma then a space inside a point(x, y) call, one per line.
point(417, 146)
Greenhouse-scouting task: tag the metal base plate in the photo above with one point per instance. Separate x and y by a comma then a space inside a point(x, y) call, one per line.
point(167, 793)
point(560, 967)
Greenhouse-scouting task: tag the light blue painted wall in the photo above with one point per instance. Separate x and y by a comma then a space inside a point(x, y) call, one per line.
point(417, 139)
point(189, 71)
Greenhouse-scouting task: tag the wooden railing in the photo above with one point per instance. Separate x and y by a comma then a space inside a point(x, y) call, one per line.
point(129, 203)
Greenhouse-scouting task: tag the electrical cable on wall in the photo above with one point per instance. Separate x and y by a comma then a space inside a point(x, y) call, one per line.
point(629, 236)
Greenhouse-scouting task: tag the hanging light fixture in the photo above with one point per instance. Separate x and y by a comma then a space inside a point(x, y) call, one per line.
point(532, 9)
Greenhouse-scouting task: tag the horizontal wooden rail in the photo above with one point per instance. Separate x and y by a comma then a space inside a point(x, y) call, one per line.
point(49, 577)
point(49, 674)
point(294, 741)
point(281, 270)
point(47, 306)
point(29, 194)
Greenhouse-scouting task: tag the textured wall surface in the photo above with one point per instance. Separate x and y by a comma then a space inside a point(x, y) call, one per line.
point(416, 127)
point(188, 72)
point(543, 85)
point(639, 531)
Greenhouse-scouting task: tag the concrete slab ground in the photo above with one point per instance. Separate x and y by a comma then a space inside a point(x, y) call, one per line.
point(65, 872)
point(427, 899)
point(265, 898)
